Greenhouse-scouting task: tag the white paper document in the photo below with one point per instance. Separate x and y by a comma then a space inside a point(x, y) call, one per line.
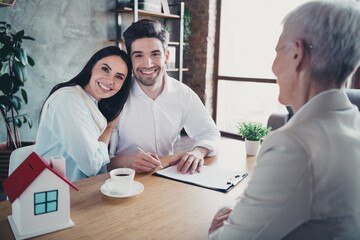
point(209, 177)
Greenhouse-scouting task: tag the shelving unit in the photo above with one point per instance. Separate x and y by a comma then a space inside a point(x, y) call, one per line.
point(7, 3)
point(179, 44)
point(146, 13)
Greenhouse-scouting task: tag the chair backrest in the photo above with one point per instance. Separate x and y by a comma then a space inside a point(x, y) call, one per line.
point(276, 120)
point(18, 156)
point(354, 96)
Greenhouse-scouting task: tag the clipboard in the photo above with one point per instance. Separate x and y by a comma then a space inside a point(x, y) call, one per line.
point(210, 177)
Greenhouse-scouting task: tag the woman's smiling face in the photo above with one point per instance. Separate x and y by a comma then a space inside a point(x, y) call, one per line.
point(107, 77)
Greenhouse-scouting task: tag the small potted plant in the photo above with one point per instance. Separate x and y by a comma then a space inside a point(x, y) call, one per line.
point(252, 132)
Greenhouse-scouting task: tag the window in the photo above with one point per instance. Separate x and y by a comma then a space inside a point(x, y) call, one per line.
point(45, 202)
point(246, 86)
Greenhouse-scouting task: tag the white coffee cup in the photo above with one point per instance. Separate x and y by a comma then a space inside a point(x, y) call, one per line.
point(121, 180)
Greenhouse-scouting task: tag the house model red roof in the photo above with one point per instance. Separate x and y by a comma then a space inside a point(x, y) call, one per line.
point(26, 173)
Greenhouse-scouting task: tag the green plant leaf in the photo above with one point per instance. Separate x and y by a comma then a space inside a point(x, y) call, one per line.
point(6, 50)
point(18, 122)
point(27, 120)
point(19, 35)
point(29, 38)
point(20, 71)
point(20, 53)
point(5, 68)
point(31, 61)
point(24, 95)
point(8, 28)
point(7, 84)
point(3, 107)
point(6, 103)
point(16, 103)
point(253, 131)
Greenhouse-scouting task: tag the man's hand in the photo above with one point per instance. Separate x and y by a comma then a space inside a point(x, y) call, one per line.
point(140, 162)
point(192, 160)
point(219, 219)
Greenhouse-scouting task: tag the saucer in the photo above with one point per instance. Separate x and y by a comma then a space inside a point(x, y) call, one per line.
point(137, 188)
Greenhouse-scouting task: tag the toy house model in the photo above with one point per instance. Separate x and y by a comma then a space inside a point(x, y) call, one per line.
point(40, 196)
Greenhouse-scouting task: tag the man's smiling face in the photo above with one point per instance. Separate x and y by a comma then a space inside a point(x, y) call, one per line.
point(148, 60)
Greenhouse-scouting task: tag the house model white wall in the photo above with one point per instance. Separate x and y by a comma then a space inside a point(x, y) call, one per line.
point(40, 197)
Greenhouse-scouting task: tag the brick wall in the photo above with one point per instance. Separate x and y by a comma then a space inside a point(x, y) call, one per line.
point(201, 56)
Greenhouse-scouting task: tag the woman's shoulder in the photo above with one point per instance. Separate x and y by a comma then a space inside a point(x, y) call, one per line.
point(67, 99)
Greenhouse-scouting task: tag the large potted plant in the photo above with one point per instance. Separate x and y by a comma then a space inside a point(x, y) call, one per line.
point(13, 75)
point(252, 132)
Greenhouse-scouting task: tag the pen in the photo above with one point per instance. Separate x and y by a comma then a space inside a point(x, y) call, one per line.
point(142, 150)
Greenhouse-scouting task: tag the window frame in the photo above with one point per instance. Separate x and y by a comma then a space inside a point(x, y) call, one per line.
point(217, 77)
point(228, 78)
point(46, 202)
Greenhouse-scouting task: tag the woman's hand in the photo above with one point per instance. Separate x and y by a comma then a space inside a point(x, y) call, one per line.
point(105, 137)
point(219, 219)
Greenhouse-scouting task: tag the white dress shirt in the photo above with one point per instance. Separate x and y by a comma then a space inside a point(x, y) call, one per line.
point(154, 125)
point(69, 129)
point(306, 182)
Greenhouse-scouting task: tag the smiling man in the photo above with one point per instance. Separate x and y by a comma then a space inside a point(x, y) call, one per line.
point(158, 107)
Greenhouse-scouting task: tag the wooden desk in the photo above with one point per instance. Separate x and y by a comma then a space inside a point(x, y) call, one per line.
point(166, 209)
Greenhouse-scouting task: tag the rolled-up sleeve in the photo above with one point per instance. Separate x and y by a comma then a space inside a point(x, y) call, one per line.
point(201, 127)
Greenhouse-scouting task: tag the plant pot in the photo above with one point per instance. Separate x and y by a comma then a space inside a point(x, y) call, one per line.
point(5, 157)
point(252, 147)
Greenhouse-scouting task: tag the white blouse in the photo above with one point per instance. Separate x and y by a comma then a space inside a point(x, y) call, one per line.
point(69, 129)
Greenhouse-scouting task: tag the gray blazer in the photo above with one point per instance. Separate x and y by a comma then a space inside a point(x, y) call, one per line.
point(306, 183)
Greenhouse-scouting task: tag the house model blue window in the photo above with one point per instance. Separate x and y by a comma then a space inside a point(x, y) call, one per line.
point(45, 202)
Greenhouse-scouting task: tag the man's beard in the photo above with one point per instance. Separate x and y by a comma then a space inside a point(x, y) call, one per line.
point(148, 81)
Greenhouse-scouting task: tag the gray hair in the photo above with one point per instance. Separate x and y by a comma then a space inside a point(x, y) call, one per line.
point(330, 31)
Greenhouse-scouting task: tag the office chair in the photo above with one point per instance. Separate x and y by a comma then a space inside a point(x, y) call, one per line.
point(277, 120)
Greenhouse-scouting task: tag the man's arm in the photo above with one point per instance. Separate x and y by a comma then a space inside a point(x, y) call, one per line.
point(199, 126)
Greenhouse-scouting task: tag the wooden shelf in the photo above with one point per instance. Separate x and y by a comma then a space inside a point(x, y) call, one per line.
point(7, 3)
point(146, 13)
point(117, 40)
point(170, 43)
point(175, 43)
point(176, 70)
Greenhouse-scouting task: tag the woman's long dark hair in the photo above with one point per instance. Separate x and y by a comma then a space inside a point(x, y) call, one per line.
point(109, 107)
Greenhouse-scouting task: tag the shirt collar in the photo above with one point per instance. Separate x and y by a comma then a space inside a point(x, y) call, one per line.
point(92, 98)
point(168, 86)
point(307, 106)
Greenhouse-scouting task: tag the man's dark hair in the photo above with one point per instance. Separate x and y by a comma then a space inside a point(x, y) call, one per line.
point(146, 28)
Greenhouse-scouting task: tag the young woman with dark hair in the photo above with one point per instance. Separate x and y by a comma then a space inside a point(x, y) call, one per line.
point(79, 115)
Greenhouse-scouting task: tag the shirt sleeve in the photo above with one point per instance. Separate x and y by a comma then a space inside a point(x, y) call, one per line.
point(71, 122)
point(200, 126)
point(114, 140)
point(278, 197)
